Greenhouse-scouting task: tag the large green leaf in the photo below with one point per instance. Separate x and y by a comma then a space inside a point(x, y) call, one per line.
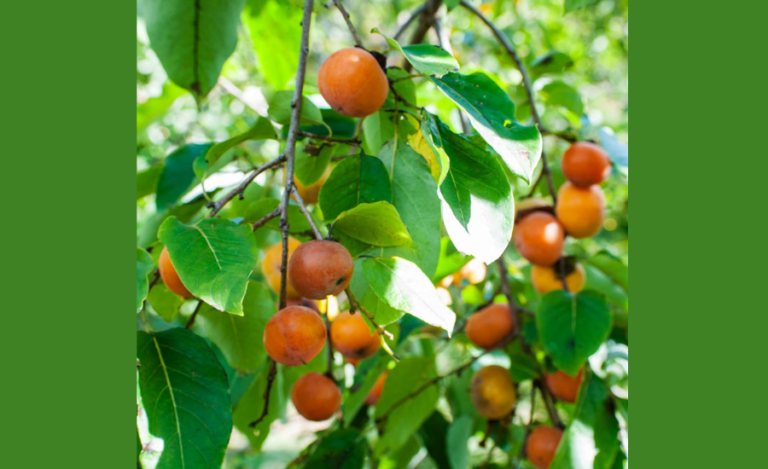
point(276, 37)
point(355, 399)
point(434, 433)
point(144, 265)
point(458, 442)
point(613, 267)
point(345, 448)
point(591, 441)
point(178, 174)
point(213, 259)
point(261, 130)
point(240, 338)
point(558, 93)
point(186, 396)
point(193, 39)
point(600, 282)
point(572, 327)
point(281, 109)
point(478, 209)
point(310, 168)
point(410, 373)
point(414, 195)
point(451, 260)
point(165, 302)
point(377, 223)
point(492, 114)
point(382, 312)
point(355, 180)
point(430, 130)
point(425, 58)
point(403, 286)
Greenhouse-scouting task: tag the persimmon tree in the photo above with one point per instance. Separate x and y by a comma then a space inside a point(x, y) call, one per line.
point(382, 235)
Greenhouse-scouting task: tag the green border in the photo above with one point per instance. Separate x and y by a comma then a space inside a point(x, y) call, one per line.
point(68, 236)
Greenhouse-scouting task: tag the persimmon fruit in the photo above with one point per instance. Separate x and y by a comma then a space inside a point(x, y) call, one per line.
point(545, 279)
point(581, 210)
point(586, 163)
point(311, 194)
point(563, 386)
point(493, 392)
point(539, 237)
point(542, 445)
point(352, 338)
point(170, 276)
point(487, 327)
point(273, 260)
point(316, 396)
point(320, 268)
point(294, 335)
point(375, 394)
point(353, 83)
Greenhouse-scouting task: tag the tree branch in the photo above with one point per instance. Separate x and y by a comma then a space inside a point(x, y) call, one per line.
point(507, 44)
point(266, 218)
point(304, 210)
point(240, 189)
point(410, 19)
point(351, 26)
point(270, 379)
point(354, 142)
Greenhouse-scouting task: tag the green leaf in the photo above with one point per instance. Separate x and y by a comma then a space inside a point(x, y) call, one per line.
point(572, 327)
point(353, 402)
point(600, 282)
point(617, 151)
point(340, 126)
point(240, 338)
point(193, 40)
point(280, 109)
point(165, 302)
point(343, 449)
point(434, 433)
point(551, 62)
point(426, 58)
point(144, 265)
point(178, 175)
point(186, 397)
point(492, 114)
point(403, 286)
point(146, 181)
point(379, 126)
point(261, 130)
point(409, 374)
point(355, 180)
point(458, 442)
point(613, 267)
point(414, 195)
point(276, 37)
point(478, 210)
point(558, 93)
point(430, 130)
point(153, 108)
point(400, 458)
point(571, 5)
point(591, 441)
point(522, 366)
point(451, 260)
point(213, 259)
point(310, 168)
point(381, 311)
point(377, 223)
point(139, 448)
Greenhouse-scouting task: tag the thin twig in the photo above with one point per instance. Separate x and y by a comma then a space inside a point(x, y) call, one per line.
point(270, 379)
point(549, 402)
point(351, 26)
point(510, 48)
point(154, 281)
point(290, 144)
point(513, 308)
point(240, 189)
point(194, 314)
point(407, 23)
point(304, 210)
point(273, 214)
point(353, 142)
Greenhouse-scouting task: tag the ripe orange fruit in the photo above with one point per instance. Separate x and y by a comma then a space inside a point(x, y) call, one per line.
point(564, 386)
point(270, 266)
point(316, 396)
point(493, 392)
point(294, 336)
point(539, 237)
point(320, 268)
point(473, 272)
point(375, 394)
point(545, 279)
point(581, 210)
point(542, 445)
point(487, 327)
point(170, 276)
point(310, 194)
point(353, 83)
point(585, 163)
point(352, 338)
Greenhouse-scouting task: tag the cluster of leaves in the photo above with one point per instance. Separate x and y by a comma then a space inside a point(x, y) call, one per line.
point(413, 201)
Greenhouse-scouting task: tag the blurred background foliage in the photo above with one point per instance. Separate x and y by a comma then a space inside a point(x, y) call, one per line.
point(579, 64)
